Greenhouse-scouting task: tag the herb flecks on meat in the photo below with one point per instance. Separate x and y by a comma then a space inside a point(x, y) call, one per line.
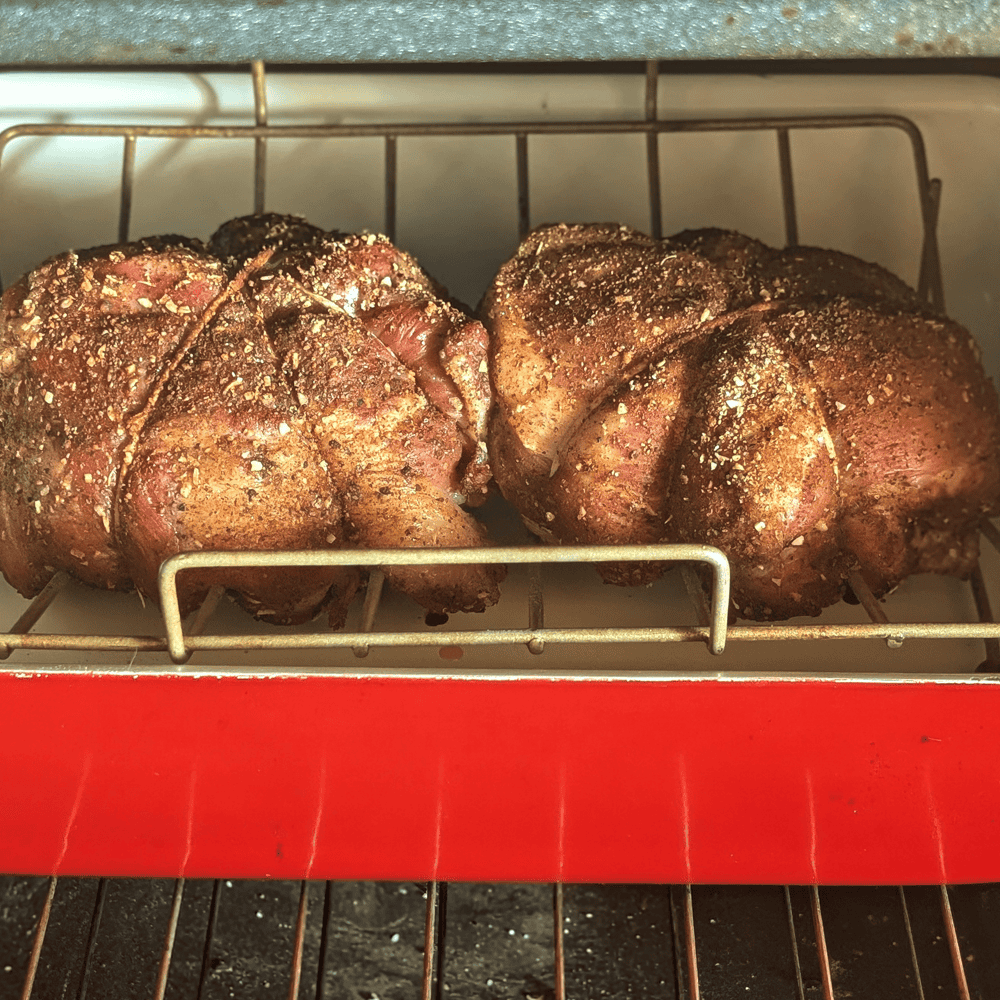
point(277, 388)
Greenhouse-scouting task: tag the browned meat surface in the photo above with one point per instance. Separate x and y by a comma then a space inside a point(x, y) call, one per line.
point(83, 339)
point(800, 409)
point(281, 388)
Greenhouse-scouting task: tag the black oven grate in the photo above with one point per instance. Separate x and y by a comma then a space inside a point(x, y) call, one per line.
point(112, 939)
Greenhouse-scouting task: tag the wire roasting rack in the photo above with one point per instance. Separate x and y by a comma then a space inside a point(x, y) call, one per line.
point(711, 628)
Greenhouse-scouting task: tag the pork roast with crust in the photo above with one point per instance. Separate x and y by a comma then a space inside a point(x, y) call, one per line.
point(278, 388)
point(800, 409)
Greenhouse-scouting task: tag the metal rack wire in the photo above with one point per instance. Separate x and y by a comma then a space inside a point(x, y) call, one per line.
point(713, 629)
point(813, 935)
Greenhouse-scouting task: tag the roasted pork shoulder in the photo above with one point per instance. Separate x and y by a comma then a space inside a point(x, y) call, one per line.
point(278, 388)
point(800, 409)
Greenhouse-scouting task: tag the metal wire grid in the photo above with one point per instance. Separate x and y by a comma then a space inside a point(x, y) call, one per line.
point(712, 629)
point(708, 944)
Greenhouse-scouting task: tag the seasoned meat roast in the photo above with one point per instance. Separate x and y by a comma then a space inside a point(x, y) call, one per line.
point(800, 409)
point(278, 388)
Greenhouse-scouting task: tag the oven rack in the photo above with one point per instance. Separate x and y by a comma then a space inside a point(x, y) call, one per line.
point(928, 189)
point(712, 628)
point(673, 942)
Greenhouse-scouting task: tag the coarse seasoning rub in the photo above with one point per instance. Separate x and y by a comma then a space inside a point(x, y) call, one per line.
point(278, 388)
point(800, 409)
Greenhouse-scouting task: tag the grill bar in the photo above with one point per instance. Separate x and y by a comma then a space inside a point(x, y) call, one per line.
point(507, 637)
point(824, 956)
point(954, 946)
point(868, 600)
point(128, 178)
point(38, 940)
point(391, 176)
point(373, 595)
point(200, 618)
point(678, 950)
point(985, 612)
point(324, 938)
point(439, 940)
point(558, 937)
point(298, 949)
point(990, 533)
point(169, 940)
point(918, 982)
point(206, 955)
point(523, 197)
point(872, 606)
point(536, 608)
point(360, 130)
point(690, 946)
point(800, 991)
point(38, 606)
point(433, 937)
point(930, 286)
point(787, 188)
point(260, 142)
point(95, 926)
point(653, 151)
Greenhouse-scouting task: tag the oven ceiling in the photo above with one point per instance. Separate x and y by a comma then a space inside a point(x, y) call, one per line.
point(51, 32)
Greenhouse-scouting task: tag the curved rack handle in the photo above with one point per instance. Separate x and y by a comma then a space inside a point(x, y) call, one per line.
point(509, 555)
